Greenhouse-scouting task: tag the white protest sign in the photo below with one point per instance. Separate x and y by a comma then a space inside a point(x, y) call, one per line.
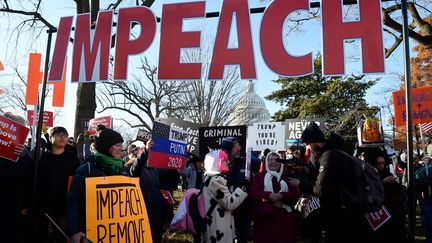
point(264, 135)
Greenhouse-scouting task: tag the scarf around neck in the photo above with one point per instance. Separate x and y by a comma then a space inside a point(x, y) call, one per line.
point(113, 163)
point(268, 182)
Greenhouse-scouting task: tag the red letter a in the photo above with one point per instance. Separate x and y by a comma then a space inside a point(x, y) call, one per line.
point(243, 55)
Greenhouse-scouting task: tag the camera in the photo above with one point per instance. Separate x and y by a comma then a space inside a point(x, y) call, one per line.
point(290, 160)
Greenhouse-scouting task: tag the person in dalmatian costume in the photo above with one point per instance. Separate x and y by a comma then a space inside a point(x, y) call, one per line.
point(219, 201)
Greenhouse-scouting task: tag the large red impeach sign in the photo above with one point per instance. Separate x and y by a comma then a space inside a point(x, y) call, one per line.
point(90, 58)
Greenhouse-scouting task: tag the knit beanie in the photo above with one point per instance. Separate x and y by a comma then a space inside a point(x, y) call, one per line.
point(105, 138)
point(228, 144)
point(312, 134)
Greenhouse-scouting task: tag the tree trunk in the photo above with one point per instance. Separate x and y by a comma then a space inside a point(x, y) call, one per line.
point(86, 92)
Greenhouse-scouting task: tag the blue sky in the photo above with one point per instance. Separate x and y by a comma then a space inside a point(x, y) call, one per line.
point(297, 43)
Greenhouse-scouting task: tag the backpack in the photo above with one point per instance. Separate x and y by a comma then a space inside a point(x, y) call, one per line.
point(369, 193)
point(423, 181)
point(190, 215)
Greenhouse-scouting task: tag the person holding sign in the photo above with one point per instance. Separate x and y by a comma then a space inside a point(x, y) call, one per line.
point(394, 229)
point(219, 201)
point(150, 187)
point(13, 175)
point(106, 161)
point(273, 198)
point(57, 165)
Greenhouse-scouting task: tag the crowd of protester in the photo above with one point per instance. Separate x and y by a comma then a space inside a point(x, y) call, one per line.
point(261, 208)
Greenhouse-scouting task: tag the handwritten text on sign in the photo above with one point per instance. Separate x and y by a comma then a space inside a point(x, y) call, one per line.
point(421, 103)
point(105, 120)
point(115, 210)
point(91, 51)
point(169, 150)
point(11, 134)
point(266, 135)
point(48, 118)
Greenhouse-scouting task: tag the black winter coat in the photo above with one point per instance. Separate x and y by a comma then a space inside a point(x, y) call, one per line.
point(342, 223)
point(150, 187)
point(13, 177)
point(76, 209)
point(54, 171)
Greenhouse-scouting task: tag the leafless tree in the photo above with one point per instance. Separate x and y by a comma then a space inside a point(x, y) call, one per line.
point(420, 30)
point(208, 102)
point(144, 98)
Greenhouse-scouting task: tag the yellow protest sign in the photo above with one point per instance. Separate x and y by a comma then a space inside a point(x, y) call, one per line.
point(115, 210)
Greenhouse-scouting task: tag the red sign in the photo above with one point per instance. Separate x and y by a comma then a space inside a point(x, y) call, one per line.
point(48, 118)
point(421, 106)
point(167, 195)
point(90, 57)
point(377, 219)
point(105, 120)
point(11, 134)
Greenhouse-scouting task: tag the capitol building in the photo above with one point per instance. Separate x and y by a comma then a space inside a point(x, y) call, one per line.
point(250, 109)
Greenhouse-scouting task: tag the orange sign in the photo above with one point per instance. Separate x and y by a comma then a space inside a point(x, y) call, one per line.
point(421, 105)
point(1, 66)
point(115, 210)
point(34, 78)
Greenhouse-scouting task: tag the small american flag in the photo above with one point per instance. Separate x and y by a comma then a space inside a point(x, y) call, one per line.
point(426, 127)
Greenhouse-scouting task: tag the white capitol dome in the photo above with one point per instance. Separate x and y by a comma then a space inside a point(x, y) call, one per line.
point(250, 109)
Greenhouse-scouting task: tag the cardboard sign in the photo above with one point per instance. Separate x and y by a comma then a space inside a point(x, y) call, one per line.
point(191, 128)
point(143, 135)
point(210, 138)
point(169, 150)
point(48, 118)
point(11, 134)
point(295, 127)
point(377, 219)
point(264, 135)
point(105, 120)
point(115, 210)
point(421, 103)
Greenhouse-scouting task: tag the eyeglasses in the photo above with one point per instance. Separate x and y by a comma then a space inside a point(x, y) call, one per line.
point(60, 135)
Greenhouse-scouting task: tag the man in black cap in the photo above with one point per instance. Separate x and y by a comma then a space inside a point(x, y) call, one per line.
point(242, 220)
point(341, 222)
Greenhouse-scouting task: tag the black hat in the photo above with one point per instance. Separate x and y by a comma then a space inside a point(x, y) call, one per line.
point(106, 138)
point(57, 130)
point(312, 134)
point(228, 144)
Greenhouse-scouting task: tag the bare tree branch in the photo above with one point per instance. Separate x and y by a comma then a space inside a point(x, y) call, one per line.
point(36, 16)
point(424, 36)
